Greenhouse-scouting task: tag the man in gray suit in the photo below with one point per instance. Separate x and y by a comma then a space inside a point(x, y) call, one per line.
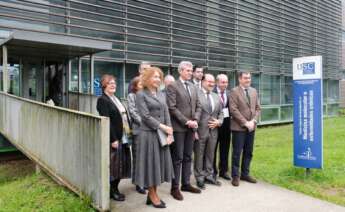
point(184, 107)
point(211, 118)
point(245, 111)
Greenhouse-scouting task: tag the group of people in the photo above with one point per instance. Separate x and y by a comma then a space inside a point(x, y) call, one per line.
point(163, 127)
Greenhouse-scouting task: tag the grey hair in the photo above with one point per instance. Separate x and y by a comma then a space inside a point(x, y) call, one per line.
point(221, 75)
point(183, 64)
point(169, 77)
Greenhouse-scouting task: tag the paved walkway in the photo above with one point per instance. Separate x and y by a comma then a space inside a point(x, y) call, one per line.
point(260, 197)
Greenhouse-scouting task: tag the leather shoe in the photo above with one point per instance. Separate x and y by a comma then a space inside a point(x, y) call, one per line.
point(235, 181)
point(213, 182)
point(160, 205)
point(200, 184)
point(116, 195)
point(225, 176)
point(140, 190)
point(175, 192)
point(249, 179)
point(191, 189)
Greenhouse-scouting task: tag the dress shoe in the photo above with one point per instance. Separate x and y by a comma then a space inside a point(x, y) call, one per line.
point(160, 205)
point(191, 189)
point(175, 192)
point(140, 190)
point(200, 184)
point(225, 176)
point(235, 181)
point(213, 182)
point(249, 179)
point(116, 195)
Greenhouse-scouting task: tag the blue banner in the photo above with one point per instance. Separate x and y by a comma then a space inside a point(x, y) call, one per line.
point(308, 111)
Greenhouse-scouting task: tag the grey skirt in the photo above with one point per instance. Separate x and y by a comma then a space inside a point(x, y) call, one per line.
point(153, 164)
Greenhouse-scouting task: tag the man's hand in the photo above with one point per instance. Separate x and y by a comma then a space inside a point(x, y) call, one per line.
point(192, 124)
point(196, 136)
point(213, 123)
point(250, 125)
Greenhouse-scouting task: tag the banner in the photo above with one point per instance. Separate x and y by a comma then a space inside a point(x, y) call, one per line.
point(308, 112)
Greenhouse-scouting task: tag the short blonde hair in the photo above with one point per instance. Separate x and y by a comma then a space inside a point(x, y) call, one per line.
point(148, 73)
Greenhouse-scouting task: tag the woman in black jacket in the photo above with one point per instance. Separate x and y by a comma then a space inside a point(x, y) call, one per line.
point(120, 158)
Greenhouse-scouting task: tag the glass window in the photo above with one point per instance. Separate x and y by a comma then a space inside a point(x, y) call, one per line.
point(333, 91)
point(85, 76)
point(332, 109)
point(325, 88)
point(270, 90)
point(14, 79)
point(269, 114)
point(132, 70)
point(286, 113)
point(115, 69)
point(287, 96)
point(73, 84)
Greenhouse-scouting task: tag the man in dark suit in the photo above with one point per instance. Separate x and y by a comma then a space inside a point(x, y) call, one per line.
point(185, 109)
point(245, 111)
point(224, 132)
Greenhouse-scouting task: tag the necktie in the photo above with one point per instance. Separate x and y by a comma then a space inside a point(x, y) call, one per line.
point(222, 97)
point(187, 88)
point(209, 104)
point(247, 95)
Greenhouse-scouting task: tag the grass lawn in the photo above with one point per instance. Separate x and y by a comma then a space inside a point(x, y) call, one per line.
point(273, 161)
point(23, 190)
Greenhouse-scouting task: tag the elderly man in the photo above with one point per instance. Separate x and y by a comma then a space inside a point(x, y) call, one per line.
point(211, 118)
point(224, 132)
point(168, 79)
point(184, 108)
point(245, 111)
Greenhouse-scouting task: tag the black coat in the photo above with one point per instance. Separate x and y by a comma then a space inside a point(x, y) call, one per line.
point(106, 107)
point(120, 158)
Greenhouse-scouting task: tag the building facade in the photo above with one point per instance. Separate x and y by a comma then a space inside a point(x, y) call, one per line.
point(225, 36)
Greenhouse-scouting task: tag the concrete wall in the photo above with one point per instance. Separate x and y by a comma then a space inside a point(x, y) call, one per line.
point(71, 146)
point(82, 102)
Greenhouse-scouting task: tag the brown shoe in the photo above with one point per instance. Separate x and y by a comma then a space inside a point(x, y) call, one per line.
point(249, 179)
point(191, 189)
point(175, 192)
point(235, 181)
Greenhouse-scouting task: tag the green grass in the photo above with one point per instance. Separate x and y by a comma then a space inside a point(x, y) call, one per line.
point(23, 190)
point(273, 161)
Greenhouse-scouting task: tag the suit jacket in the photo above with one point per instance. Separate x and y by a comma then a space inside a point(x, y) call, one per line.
point(181, 107)
point(133, 113)
point(240, 109)
point(205, 116)
point(106, 107)
point(153, 110)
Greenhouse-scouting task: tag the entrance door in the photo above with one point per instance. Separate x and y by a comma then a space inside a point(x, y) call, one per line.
point(55, 81)
point(32, 79)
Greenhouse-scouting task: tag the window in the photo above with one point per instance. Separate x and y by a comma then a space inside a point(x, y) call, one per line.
point(270, 90)
point(115, 69)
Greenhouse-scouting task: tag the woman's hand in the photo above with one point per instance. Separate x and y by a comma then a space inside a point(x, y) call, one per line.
point(115, 144)
point(170, 139)
point(168, 130)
